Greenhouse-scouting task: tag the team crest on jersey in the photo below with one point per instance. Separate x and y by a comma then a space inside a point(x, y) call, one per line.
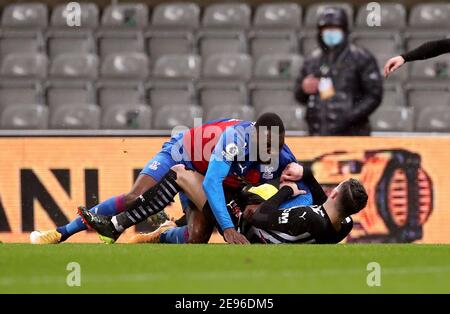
point(231, 151)
point(154, 165)
point(267, 173)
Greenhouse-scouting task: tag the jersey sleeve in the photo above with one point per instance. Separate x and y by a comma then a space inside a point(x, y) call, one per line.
point(224, 153)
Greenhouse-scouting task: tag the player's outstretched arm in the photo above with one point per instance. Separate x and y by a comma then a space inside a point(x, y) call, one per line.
point(428, 50)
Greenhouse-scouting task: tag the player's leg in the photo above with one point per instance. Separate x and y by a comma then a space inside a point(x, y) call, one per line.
point(152, 172)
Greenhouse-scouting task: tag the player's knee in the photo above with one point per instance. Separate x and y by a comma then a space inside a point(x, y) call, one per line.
point(130, 198)
point(181, 172)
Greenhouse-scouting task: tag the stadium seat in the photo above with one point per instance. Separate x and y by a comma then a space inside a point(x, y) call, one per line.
point(125, 15)
point(308, 40)
point(430, 15)
point(75, 116)
point(67, 41)
point(176, 15)
point(229, 66)
point(423, 94)
point(217, 94)
point(392, 119)
point(169, 117)
point(177, 66)
point(393, 95)
point(119, 41)
point(111, 92)
point(246, 113)
point(25, 15)
point(21, 41)
point(278, 67)
point(272, 42)
point(21, 92)
point(125, 65)
point(164, 93)
point(314, 10)
point(267, 94)
point(89, 16)
point(74, 65)
point(163, 42)
point(24, 65)
point(435, 68)
point(383, 44)
point(227, 15)
point(62, 92)
point(293, 117)
point(393, 15)
point(24, 116)
point(128, 116)
point(434, 118)
point(278, 16)
point(212, 42)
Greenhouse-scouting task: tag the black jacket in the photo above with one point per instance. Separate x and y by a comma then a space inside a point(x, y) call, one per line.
point(359, 90)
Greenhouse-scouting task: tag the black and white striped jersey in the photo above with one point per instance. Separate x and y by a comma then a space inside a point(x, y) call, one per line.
point(303, 224)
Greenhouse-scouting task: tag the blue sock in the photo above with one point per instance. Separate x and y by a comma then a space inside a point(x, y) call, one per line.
point(177, 235)
point(110, 207)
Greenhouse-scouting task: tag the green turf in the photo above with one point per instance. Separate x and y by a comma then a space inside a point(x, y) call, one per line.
point(224, 268)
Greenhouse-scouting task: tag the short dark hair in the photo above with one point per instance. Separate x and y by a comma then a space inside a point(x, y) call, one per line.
point(269, 120)
point(353, 197)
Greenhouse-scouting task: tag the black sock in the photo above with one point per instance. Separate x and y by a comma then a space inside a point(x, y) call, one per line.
point(151, 202)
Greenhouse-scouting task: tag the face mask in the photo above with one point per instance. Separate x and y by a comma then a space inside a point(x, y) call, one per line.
point(332, 37)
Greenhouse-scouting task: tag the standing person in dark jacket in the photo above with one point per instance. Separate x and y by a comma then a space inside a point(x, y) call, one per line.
point(340, 84)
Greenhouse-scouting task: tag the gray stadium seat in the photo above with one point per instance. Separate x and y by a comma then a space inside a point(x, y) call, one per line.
point(160, 43)
point(24, 116)
point(215, 94)
point(120, 92)
point(24, 65)
point(228, 66)
point(169, 117)
point(63, 92)
point(315, 10)
point(435, 118)
point(278, 67)
point(89, 16)
point(393, 15)
point(126, 117)
point(309, 42)
point(75, 116)
point(278, 15)
point(393, 96)
point(176, 15)
point(227, 15)
point(292, 116)
point(20, 92)
point(277, 95)
point(27, 15)
point(70, 41)
point(392, 119)
point(435, 68)
point(246, 113)
point(17, 41)
point(119, 41)
point(383, 45)
point(165, 93)
point(125, 65)
point(74, 65)
point(125, 15)
point(422, 94)
point(177, 66)
point(212, 42)
point(430, 15)
point(271, 42)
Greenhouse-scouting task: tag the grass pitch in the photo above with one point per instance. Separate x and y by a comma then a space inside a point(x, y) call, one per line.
point(224, 268)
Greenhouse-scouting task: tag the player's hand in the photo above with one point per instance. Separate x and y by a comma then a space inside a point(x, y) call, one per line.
point(292, 172)
point(249, 211)
point(231, 236)
point(310, 85)
point(294, 188)
point(393, 64)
